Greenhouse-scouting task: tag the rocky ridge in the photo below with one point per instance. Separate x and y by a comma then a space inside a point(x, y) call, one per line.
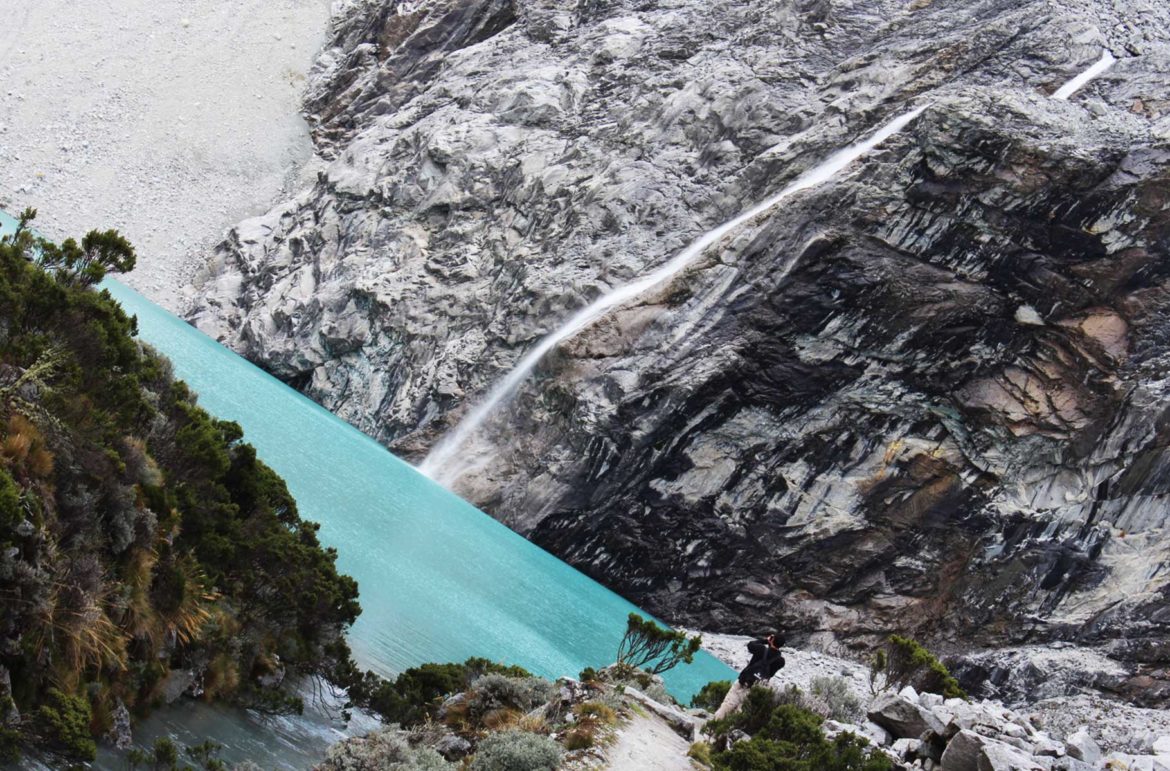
point(924, 730)
point(926, 396)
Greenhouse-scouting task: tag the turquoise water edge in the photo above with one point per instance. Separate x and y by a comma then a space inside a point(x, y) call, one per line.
point(440, 580)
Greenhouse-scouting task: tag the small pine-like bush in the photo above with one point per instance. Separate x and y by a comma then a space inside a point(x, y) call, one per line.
point(653, 648)
point(904, 661)
point(517, 751)
point(711, 695)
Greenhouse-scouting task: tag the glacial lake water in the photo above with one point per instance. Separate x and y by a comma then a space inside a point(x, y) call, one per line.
point(439, 579)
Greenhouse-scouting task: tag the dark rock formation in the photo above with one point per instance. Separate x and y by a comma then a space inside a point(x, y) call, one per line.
point(926, 396)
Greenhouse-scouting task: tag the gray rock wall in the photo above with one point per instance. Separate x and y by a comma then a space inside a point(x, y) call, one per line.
point(926, 396)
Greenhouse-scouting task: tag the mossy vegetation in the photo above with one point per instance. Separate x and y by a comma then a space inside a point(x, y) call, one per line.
point(141, 536)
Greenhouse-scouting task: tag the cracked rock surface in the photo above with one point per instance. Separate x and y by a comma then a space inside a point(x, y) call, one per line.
point(926, 396)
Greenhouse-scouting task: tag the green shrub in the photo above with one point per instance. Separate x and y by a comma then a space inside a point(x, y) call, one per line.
point(580, 738)
point(64, 723)
point(755, 713)
point(415, 695)
point(904, 661)
point(495, 691)
point(711, 695)
point(387, 748)
point(840, 703)
point(516, 751)
point(700, 752)
point(595, 711)
point(784, 736)
point(10, 741)
point(162, 539)
point(829, 697)
point(10, 511)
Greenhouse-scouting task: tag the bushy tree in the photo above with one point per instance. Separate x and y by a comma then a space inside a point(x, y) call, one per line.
point(655, 649)
point(158, 539)
point(904, 661)
point(84, 265)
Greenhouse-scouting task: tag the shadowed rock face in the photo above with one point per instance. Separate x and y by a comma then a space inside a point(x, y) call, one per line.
point(927, 396)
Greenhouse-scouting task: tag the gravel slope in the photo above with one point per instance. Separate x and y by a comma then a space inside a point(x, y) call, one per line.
point(168, 119)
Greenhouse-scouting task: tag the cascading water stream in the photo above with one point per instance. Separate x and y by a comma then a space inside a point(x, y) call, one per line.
point(444, 463)
point(1076, 84)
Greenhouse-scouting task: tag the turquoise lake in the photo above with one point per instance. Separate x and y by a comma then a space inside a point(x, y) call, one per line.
point(440, 580)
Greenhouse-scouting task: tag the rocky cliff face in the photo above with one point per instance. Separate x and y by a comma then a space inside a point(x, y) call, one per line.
point(925, 396)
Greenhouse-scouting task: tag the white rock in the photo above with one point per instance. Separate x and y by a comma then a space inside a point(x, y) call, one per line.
point(1000, 757)
point(1082, 747)
point(1026, 314)
point(1015, 730)
point(904, 747)
point(931, 701)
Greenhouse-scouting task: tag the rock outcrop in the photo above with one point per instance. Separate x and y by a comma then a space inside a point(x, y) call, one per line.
point(926, 396)
point(985, 736)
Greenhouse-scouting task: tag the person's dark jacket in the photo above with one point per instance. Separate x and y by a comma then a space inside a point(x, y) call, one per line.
point(766, 661)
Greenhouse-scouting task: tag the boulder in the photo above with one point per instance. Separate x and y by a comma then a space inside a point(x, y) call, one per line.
point(902, 717)
point(573, 691)
point(966, 716)
point(906, 749)
point(970, 751)
point(119, 734)
point(1046, 746)
point(1015, 731)
point(933, 746)
point(1071, 764)
point(875, 733)
point(682, 723)
point(450, 702)
point(996, 756)
point(1082, 747)
point(175, 682)
point(1121, 760)
point(962, 752)
point(1161, 745)
point(1020, 744)
point(452, 747)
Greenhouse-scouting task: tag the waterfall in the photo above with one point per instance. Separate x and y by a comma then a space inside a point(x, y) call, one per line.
point(1076, 84)
point(441, 463)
